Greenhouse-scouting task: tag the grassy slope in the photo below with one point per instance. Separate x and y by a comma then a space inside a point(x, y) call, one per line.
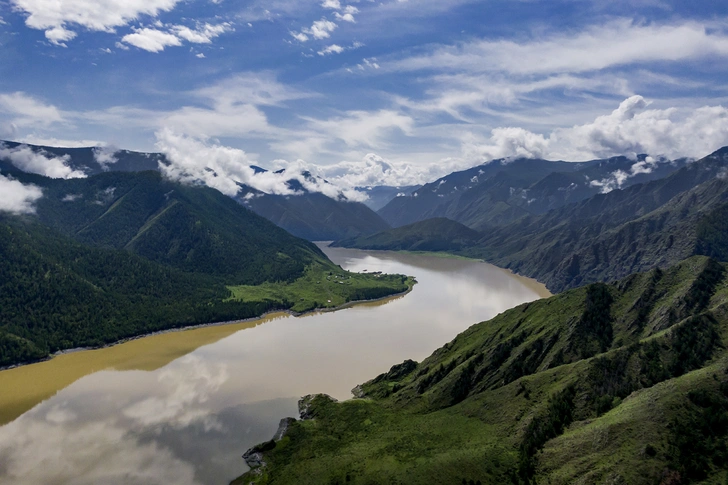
point(608, 400)
point(323, 286)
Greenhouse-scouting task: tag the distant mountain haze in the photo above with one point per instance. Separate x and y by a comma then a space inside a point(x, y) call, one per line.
point(604, 237)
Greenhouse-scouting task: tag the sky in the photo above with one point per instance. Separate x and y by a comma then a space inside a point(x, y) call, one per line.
point(395, 92)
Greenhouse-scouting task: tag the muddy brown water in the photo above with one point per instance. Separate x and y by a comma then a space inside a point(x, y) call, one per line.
point(182, 407)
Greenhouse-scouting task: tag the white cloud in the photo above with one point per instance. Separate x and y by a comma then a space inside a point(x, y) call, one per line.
point(321, 29)
point(185, 388)
point(364, 128)
point(58, 142)
point(17, 198)
point(348, 15)
point(630, 129)
point(332, 4)
point(203, 34)
point(299, 36)
point(192, 160)
point(331, 49)
point(151, 40)
point(200, 55)
point(59, 35)
point(617, 43)
point(28, 111)
point(40, 162)
point(617, 178)
point(505, 143)
point(105, 156)
point(97, 15)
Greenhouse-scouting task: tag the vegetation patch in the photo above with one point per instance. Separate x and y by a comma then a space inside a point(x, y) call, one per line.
point(322, 286)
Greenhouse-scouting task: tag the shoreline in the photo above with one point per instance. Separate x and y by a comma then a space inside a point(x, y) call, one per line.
point(540, 288)
point(281, 312)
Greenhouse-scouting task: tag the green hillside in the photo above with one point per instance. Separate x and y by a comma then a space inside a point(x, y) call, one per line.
point(438, 234)
point(613, 235)
point(314, 216)
point(117, 255)
point(608, 383)
point(195, 229)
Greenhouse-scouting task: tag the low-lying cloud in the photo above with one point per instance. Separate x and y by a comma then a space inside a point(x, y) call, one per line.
point(193, 160)
point(17, 198)
point(40, 162)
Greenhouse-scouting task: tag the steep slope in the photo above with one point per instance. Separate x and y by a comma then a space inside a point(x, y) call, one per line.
point(56, 293)
point(612, 235)
point(500, 192)
point(194, 229)
point(117, 255)
point(438, 234)
point(314, 216)
point(620, 383)
point(381, 195)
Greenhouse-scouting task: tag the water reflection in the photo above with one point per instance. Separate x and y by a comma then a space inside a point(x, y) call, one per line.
point(189, 413)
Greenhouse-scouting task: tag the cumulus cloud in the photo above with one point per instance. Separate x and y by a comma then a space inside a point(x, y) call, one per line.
point(16, 197)
point(348, 15)
point(631, 129)
point(59, 35)
point(203, 34)
point(151, 40)
point(193, 161)
point(509, 142)
point(320, 29)
point(103, 16)
point(331, 49)
point(40, 162)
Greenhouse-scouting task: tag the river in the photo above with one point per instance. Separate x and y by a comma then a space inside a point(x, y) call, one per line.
point(182, 407)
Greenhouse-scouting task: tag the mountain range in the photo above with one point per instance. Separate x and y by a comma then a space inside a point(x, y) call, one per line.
point(601, 238)
point(502, 191)
point(119, 254)
point(310, 215)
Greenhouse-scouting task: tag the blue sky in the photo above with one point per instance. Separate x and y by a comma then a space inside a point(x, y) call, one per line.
point(364, 92)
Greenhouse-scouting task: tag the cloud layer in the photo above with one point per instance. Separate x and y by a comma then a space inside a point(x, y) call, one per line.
point(630, 129)
point(17, 198)
point(42, 163)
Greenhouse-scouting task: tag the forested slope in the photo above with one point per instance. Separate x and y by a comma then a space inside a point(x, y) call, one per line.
point(608, 383)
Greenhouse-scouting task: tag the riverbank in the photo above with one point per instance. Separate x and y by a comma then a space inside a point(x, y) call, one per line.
point(263, 317)
point(147, 352)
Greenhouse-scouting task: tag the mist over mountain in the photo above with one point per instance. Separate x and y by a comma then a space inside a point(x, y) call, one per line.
point(303, 204)
point(501, 191)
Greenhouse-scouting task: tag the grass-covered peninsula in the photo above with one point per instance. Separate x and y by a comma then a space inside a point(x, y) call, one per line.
point(608, 383)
